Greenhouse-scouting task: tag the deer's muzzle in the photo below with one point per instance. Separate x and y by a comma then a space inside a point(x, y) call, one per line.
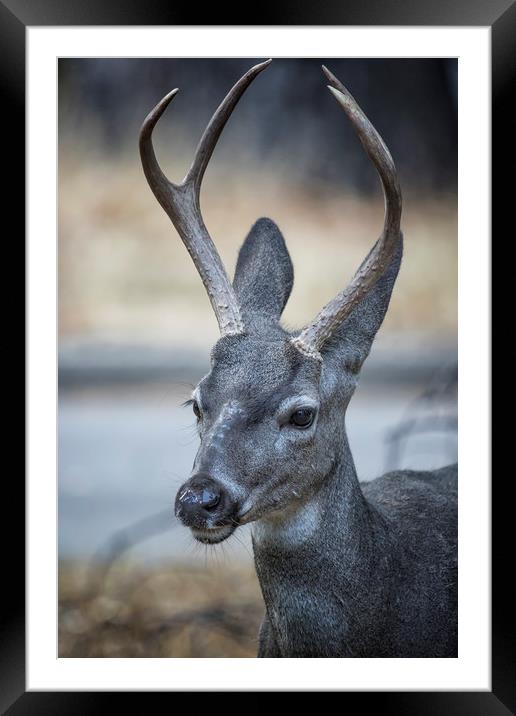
point(206, 507)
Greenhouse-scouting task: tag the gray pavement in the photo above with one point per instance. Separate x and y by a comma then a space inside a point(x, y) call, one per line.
point(124, 449)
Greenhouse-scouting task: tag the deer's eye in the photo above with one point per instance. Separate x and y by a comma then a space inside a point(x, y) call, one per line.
point(302, 417)
point(196, 409)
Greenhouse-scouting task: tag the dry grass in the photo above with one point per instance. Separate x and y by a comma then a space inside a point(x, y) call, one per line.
point(123, 271)
point(165, 611)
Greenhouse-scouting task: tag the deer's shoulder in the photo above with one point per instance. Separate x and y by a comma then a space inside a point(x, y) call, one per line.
point(419, 510)
point(414, 492)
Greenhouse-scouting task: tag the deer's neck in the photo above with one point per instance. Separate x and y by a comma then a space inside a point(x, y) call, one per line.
point(317, 561)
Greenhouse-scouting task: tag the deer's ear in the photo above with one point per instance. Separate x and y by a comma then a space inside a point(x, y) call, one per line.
point(352, 341)
point(264, 274)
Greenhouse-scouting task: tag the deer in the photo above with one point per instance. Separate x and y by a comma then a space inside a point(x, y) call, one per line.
point(346, 568)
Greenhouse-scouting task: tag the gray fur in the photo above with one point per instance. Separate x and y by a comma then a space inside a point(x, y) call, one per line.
point(346, 569)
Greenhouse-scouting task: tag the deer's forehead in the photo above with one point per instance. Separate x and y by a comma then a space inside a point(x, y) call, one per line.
point(249, 358)
point(247, 377)
point(247, 370)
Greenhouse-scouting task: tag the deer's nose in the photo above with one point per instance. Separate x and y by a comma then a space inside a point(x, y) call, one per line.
point(198, 499)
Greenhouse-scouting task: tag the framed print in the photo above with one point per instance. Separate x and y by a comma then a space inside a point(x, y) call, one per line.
point(118, 597)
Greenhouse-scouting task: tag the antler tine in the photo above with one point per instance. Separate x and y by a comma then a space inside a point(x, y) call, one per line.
point(312, 337)
point(181, 202)
point(157, 181)
point(217, 123)
point(376, 149)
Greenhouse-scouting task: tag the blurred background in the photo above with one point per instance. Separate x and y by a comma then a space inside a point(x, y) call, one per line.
point(136, 326)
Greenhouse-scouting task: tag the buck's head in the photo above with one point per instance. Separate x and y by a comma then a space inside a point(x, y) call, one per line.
point(271, 410)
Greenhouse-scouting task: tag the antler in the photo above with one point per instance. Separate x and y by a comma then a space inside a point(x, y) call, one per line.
point(312, 337)
point(181, 201)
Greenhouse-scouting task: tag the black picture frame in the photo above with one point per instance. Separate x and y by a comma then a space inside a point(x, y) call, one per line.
point(500, 16)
